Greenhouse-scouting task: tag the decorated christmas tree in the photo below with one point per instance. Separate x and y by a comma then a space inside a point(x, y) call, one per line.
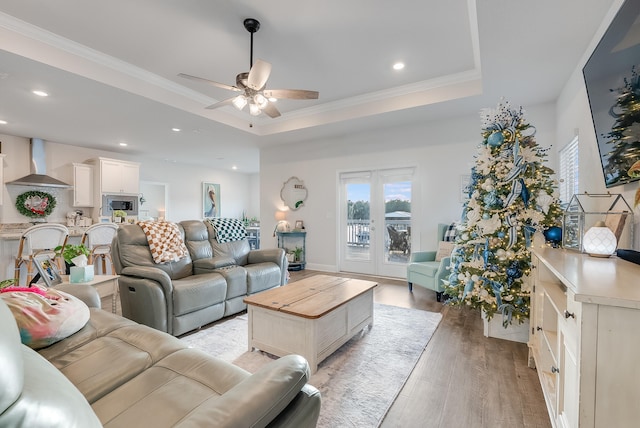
point(623, 157)
point(511, 196)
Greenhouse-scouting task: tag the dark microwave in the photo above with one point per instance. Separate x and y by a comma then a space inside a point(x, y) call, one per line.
point(111, 203)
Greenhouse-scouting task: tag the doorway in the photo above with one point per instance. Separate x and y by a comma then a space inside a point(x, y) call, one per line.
point(375, 221)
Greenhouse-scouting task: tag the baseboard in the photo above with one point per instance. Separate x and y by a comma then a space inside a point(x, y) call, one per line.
point(321, 268)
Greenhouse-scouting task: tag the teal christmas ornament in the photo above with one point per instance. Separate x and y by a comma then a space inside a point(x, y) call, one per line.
point(496, 139)
point(492, 201)
point(553, 235)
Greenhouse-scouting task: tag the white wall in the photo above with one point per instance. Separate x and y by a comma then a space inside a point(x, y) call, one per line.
point(184, 181)
point(441, 153)
point(574, 116)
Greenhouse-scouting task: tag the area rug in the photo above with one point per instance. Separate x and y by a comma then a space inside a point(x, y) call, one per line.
point(359, 381)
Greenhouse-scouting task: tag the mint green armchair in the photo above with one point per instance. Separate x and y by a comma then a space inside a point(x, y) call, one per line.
point(425, 271)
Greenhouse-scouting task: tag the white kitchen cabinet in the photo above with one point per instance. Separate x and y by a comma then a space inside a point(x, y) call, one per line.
point(2, 178)
point(83, 185)
point(584, 339)
point(116, 176)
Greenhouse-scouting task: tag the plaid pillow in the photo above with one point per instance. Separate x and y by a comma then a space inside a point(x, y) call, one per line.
point(228, 229)
point(450, 233)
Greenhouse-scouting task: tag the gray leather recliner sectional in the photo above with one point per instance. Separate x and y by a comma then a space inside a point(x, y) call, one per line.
point(209, 284)
point(116, 373)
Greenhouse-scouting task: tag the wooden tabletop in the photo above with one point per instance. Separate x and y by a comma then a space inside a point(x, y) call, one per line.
point(311, 297)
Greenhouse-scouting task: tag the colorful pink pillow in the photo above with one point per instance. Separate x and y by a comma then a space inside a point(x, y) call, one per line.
point(45, 318)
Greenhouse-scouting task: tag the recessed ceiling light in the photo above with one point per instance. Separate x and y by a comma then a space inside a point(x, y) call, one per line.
point(273, 100)
point(3, 122)
point(176, 129)
point(234, 167)
point(40, 93)
point(398, 66)
point(123, 144)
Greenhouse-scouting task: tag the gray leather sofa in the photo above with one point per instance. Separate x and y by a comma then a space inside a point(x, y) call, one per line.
point(207, 285)
point(116, 373)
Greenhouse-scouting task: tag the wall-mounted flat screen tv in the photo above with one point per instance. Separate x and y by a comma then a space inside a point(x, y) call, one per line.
point(613, 87)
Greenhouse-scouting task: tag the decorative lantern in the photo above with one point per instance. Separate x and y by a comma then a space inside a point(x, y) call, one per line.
point(585, 210)
point(599, 241)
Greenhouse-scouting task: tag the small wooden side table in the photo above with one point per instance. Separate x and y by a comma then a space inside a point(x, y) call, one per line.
point(106, 285)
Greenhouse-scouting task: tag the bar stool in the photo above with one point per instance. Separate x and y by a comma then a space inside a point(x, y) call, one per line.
point(97, 238)
point(39, 239)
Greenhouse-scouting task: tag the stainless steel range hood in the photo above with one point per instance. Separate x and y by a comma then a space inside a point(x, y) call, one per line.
point(38, 176)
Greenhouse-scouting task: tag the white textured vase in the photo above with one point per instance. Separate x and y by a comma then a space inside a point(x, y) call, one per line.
point(599, 241)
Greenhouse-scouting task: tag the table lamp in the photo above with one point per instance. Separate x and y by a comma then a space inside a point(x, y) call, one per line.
point(599, 241)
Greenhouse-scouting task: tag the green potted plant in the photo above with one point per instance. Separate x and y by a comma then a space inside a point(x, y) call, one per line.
point(297, 254)
point(119, 216)
point(70, 252)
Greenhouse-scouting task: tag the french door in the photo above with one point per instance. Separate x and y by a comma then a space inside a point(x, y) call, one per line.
point(375, 221)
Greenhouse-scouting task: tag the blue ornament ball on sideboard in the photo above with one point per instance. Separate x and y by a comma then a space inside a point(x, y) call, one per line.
point(553, 235)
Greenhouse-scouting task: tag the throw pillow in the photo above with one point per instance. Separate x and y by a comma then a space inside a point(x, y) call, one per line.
point(228, 229)
point(445, 249)
point(45, 318)
point(165, 241)
point(450, 233)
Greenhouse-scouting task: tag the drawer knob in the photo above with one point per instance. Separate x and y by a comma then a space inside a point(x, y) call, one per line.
point(555, 369)
point(568, 314)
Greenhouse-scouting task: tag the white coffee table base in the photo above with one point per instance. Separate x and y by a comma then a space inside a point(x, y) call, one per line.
point(315, 339)
point(105, 285)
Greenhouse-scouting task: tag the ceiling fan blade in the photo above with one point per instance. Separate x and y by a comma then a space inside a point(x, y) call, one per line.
point(292, 94)
point(271, 110)
point(259, 74)
point(210, 82)
point(226, 102)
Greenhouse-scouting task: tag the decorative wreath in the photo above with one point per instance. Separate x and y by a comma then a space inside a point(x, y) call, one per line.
point(35, 203)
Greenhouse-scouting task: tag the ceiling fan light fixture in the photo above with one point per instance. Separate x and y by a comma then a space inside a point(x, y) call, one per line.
point(260, 100)
point(239, 102)
point(254, 109)
point(252, 85)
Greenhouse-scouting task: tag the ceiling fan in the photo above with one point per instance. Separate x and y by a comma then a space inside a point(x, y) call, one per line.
point(251, 85)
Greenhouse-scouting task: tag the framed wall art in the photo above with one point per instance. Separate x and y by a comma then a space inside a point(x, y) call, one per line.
point(210, 200)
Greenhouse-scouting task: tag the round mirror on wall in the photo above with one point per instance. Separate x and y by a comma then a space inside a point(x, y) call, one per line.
point(293, 193)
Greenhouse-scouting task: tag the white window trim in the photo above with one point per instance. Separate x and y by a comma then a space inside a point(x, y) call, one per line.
point(568, 175)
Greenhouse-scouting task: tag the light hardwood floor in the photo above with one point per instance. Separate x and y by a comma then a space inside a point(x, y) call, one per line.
point(462, 379)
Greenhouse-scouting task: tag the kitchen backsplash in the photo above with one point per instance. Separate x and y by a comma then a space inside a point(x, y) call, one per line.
point(64, 197)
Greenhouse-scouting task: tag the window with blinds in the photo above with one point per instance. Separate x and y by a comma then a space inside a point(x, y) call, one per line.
point(569, 166)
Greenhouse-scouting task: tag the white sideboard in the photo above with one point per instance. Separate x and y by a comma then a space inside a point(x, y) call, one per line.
point(585, 338)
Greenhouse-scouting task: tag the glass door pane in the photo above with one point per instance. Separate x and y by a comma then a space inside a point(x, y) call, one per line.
point(371, 200)
point(358, 221)
point(397, 218)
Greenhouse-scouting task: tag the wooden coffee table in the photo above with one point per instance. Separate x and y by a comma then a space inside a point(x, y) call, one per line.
point(312, 317)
